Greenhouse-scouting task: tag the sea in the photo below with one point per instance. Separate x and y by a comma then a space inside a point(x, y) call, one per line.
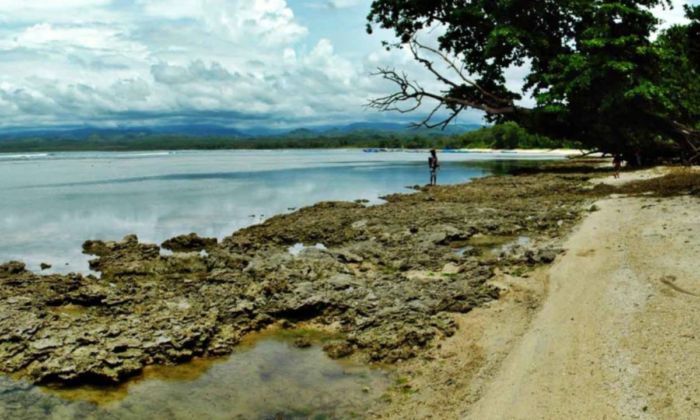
point(50, 203)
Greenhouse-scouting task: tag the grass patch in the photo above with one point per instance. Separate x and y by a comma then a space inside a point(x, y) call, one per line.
point(407, 390)
point(518, 272)
point(402, 381)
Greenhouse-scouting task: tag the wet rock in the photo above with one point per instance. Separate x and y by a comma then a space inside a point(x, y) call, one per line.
point(189, 243)
point(447, 234)
point(338, 349)
point(360, 224)
point(301, 342)
point(44, 266)
point(547, 255)
point(46, 343)
point(123, 258)
point(531, 255)
point(12, 268)
point(348, 257)
point(89, 295)
point(451, 269)
point(343, 281)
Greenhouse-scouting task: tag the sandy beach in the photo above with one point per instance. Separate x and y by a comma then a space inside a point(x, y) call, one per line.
point(609, 331)
point(552, 152)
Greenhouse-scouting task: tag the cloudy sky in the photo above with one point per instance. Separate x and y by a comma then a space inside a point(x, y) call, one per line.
point(118, 63)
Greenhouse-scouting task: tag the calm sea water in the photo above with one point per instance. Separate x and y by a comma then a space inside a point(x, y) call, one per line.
point(51, 203)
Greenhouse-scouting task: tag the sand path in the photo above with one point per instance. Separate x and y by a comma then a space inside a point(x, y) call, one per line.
point(618, 337)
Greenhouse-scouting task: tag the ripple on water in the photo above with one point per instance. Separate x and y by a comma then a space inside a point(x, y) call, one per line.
point(269, 379)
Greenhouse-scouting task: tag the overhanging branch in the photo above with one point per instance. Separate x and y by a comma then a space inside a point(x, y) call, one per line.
point(411, 96)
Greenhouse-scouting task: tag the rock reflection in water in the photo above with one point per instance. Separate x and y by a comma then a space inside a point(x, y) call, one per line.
point(270, 380)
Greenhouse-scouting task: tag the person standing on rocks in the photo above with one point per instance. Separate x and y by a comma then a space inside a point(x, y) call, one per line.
point(639, 157)
point(434, 164)
point(617, 163)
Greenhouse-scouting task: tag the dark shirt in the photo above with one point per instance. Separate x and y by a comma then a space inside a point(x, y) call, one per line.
point(433, 163)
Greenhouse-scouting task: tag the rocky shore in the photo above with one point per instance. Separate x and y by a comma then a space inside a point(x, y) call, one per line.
point(386, 280)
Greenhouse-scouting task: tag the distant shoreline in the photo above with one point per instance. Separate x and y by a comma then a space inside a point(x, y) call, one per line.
point(553, 152)
point(540, 152)
point(558, 152)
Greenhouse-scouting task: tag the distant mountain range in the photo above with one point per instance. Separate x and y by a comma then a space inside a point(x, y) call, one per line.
point(202, 130)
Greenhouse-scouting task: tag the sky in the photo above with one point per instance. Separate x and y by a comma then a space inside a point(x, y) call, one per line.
point(239, 63)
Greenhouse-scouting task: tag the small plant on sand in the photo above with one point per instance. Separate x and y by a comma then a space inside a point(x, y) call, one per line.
point(386, 398)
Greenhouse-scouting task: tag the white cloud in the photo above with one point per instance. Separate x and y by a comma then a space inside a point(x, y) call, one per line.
point(196, 72)
point(672, 16)
point(95, 38)
point(157, 61)
point(335, 4)
point(186, 9)
point(266, 62)
point(267, 22)
point(13, 11)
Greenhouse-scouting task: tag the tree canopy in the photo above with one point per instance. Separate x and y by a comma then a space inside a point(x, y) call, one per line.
point(600, 71)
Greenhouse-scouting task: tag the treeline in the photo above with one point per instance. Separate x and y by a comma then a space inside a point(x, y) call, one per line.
point(504, 136)
point(508, 135)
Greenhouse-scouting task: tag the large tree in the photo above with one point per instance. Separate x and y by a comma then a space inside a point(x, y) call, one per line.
point(600, 71)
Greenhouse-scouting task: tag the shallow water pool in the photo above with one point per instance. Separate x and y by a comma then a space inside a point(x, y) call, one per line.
point(269, 379)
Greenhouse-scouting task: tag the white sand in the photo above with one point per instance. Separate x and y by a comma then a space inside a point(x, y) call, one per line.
point(617, 336)
point(553, 152)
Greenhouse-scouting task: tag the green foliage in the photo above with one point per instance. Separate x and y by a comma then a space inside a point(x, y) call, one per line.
point(597, 70)
point(680, 87)
point(510, 135)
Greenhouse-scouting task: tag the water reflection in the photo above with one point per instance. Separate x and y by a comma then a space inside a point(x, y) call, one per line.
point(269, 379)
point(50, 205)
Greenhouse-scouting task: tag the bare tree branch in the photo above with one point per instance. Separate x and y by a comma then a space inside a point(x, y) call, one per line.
point(453, 66)
point(429, 65)
point(411, 95)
